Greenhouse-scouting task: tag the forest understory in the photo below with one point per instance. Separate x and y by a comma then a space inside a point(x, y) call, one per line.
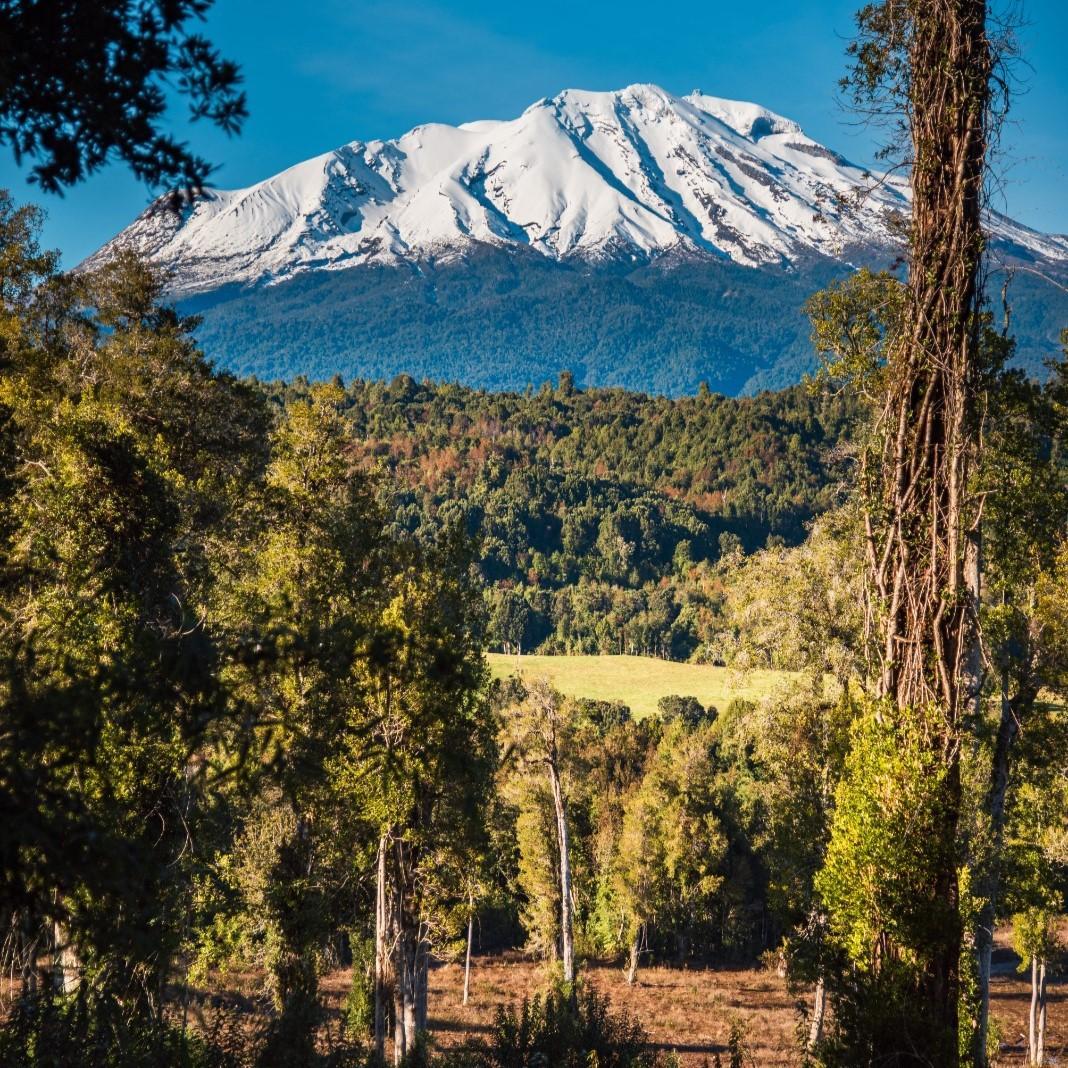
point(688, 1011)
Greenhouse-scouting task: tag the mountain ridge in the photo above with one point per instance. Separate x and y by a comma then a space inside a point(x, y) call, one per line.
point(612, 183)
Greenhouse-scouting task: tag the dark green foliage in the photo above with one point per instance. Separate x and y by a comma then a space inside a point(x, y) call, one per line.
point(602, 716)
point(110, 682)
point(359, 1010)
point(86, 81)
point(52, 1031)
point(504, 319)
point(688, 710)
point(594, 507)
point(876, 1022)
point(752, 466)
point(886, 824)
point(738, 1055)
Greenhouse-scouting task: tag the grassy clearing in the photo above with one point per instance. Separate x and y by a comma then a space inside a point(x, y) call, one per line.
point(639, 681)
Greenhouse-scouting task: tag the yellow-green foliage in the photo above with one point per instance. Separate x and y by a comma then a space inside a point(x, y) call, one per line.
point(639, 681)
point(876, 881)
point(672, 846)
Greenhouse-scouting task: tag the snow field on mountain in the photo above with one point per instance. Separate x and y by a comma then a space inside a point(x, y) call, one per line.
point(593, 176)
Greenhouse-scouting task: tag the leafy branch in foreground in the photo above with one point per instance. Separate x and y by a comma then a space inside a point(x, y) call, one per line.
point(86, 81)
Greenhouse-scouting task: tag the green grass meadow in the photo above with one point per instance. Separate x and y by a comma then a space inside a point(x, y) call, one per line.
point(639, 681)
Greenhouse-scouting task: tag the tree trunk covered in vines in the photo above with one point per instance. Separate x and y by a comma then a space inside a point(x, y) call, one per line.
point(923, 526)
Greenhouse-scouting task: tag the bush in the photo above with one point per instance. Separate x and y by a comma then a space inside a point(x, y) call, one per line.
point(564, 1028)
point(687, 710)
point(359, 1010)
point(52, 1031)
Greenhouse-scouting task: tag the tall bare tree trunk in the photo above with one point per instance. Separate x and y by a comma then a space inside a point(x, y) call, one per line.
point(635, 951)
point(1032, 1016)
point(819, 1010)
point(406, 954)
point(382, 954)
point(1040, 1052)
point(470, 938)
point(422, 980)
point(67, 967)
point(409, 981)
point(567, 936)
point(400, 1049)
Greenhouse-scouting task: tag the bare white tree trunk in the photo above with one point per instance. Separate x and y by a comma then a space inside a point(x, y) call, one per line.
point(408, 967)
point(1040, 1052)
point(67, 965)
point(635, 951)
point(411, 952)
point(470, 933)
point(567, 936)
point(1032, 1016)
point(382, 969)
point(399, 1035)
point(422, 980)
point(411, 1024)
point(819, 1009)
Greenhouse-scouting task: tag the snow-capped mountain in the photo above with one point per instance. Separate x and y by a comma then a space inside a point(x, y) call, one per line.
point(497, 252)
point(594, 175)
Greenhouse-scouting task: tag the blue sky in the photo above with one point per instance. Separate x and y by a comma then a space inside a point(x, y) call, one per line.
point(323, 72)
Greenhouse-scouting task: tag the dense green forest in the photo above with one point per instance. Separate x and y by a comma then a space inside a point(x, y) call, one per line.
point(599, 514)
point(248, 723)
point(501, 319)
point(661, 327)
point(248, 726)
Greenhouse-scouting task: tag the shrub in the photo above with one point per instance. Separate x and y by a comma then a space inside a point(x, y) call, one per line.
point(87, 1028)
point(687, 710)
point(567, 1028)
point(359, 1010)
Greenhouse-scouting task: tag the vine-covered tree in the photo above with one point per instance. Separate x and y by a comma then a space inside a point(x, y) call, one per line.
point(931, 65)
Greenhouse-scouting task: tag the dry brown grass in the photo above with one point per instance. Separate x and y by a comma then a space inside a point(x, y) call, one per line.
point(690, 1010)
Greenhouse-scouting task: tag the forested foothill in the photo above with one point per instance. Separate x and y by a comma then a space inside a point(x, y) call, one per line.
point(603, 518)
point(663, 326)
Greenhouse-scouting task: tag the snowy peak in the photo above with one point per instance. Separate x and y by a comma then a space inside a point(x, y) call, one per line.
point(630, 174)
point(751, 121)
